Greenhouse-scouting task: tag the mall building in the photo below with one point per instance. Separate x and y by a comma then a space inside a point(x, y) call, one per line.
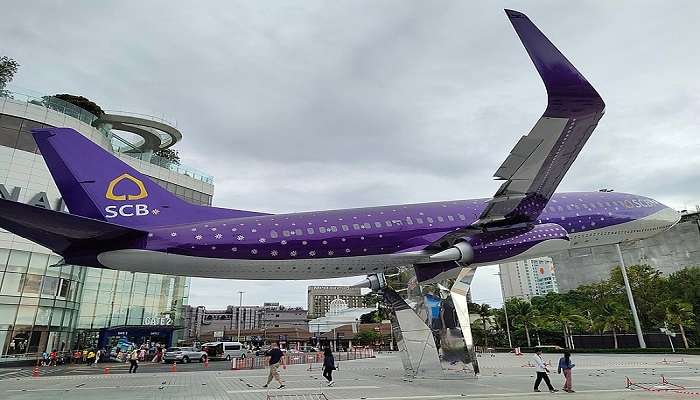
point(44, 306)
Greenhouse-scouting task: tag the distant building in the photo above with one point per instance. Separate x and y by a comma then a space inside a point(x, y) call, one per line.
point(338, 315)
point(193, 322)
point(320, 298)
point(528, 278)
point(671, 251)
point(277, 316)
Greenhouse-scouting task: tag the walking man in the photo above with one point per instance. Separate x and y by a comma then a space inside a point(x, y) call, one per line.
point(134, 360)
point(542, 371)
point(328, 365)
point(276, 358)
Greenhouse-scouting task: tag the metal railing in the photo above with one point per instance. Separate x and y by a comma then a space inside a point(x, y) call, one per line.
point(260, 362)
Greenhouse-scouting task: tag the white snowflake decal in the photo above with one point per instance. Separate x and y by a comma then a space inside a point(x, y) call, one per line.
point(330, 252)
point(343, 239)
point(155, 211)
point(234, 249)
point(254, 251)
point(253, 230)
point(234, 229)
point(274, 253)
point(312, 253)
point(218, 236)
point(284, 242)
point(198, 237)
point(293, 253)
point(213, 229)
point(240, 237)
point(262, 240)
point(213, 247)
point(347, 250)
point(173, 234)
point(325, 242)
point(194, 229)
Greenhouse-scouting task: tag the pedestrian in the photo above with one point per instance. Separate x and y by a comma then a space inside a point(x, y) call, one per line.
point(134, 361)
point(276, 358)
point(142, 353)
point(566, 365)
point(54, 357)
point(91, 356)
point(44, 359)
point(542, 371)
point(97, 356)
point(328, 365)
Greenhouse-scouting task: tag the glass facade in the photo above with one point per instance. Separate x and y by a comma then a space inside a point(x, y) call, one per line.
point(39, 302)
point(45, 307)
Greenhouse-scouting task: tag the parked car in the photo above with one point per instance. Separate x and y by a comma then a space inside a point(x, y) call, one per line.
point(225, 350)
point(184, 355)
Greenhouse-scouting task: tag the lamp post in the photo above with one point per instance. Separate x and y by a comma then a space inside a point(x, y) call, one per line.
point(238, 322)
point(505, 310)
point(630, 298)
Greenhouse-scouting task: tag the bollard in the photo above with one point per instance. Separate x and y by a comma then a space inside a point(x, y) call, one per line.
point(174, 367)
point(234, 364)
point(106, 371)
point(35, 372)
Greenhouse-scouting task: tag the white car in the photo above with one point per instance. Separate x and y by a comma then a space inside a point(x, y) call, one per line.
point(225, 350)
point(184, 355)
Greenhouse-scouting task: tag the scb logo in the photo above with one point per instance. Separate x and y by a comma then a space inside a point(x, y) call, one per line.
point(126, 210)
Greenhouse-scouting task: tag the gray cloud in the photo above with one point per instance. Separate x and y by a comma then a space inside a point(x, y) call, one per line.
point(314, 105)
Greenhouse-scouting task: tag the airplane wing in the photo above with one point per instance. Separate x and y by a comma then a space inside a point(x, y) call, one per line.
point(538, 162)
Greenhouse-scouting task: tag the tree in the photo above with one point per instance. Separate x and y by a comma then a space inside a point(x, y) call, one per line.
point(521, 311)
point(613, 317)
point(684, 285)
point(81, 102)
point(649, 290)
point(169, 154)
point(680, 313)
point(484, 311)
point(367, 337)
point(8, 68)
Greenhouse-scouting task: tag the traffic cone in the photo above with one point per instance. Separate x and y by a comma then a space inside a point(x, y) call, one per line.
point(174, 367)
point(35, 372)
point(106, 371)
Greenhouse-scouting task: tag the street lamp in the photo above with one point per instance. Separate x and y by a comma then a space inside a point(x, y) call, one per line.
point(238, 322)
point(505, 310)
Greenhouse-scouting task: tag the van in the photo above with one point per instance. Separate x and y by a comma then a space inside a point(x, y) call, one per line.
point(225, 350)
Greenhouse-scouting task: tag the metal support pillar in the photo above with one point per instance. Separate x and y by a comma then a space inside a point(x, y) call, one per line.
point(432, 328)
point(630, 298)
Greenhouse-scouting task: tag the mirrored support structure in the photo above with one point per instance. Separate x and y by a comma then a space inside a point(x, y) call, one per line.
point(432, 328)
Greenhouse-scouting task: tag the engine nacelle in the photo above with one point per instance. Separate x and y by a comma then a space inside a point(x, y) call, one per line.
point(506, 243)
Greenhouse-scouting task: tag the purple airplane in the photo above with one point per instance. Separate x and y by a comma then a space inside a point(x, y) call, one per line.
point(120, 219)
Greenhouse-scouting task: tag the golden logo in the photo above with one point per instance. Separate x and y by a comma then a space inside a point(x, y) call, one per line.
point(122, 197)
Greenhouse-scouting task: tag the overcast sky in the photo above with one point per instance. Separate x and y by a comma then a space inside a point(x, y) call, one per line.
point(310, 105)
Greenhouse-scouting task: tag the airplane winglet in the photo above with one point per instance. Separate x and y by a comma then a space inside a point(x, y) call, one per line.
point(568, 90)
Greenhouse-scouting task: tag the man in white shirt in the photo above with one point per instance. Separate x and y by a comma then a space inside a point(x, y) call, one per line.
point(542, 371)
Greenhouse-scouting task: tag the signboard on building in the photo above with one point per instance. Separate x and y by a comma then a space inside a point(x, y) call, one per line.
point(218, 334)
point(165, 320)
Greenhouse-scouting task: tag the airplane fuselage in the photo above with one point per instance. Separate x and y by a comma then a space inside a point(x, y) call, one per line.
point(361, 241)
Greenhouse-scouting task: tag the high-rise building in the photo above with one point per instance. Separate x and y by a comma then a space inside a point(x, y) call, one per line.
point(528, 278)
point(670, 251)
point(320, 297)
point(48, 305)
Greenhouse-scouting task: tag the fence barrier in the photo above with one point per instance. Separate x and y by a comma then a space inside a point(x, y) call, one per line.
point(260, 362)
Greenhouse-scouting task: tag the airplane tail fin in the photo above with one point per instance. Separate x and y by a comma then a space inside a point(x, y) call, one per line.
point(62, 232)
point(96, 184)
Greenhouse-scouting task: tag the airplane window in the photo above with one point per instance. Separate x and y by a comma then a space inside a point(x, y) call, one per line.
point(440, 219)
point(356, 227)
point(367, 225)
point(298, 232)
point(396, 222)
point(430, 220)
point(451, 218)
point(310, 231)
point(333, 228)
point(273, 234)
point(378, 224)
point(387, 223)
point(285, 233)
point(409, 221)
point(321, 229)
point(345, 228)
point(462, 217)
point(419, 220)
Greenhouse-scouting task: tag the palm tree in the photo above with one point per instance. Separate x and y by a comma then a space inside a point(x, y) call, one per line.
point(522, 311)
point(484, 311)
point(612, 317)
point(680, 313)
point(567, 318)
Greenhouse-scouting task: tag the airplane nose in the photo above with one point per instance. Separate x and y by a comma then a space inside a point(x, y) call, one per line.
point(668, 217)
